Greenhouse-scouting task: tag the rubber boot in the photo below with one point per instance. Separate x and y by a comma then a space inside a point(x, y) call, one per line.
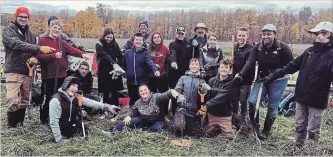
point(12, 118)
point(269, 121)
point(254, 122)
point(20, 116)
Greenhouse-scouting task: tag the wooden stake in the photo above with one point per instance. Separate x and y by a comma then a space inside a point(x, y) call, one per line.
point(232, 50)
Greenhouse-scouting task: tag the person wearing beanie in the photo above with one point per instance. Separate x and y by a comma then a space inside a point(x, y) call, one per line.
point(20, 45)
point(65, 120)
point(143, 29)
point(49, 63)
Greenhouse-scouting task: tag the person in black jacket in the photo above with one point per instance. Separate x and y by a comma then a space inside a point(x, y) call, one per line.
point(242, 53)
point(199, 40)
point(271, 54)
point(220, 100)
point(109, 57)
point(315, 68)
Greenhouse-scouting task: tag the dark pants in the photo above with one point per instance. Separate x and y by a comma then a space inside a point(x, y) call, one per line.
point(160, 85)
point(69, 130)
point(113, 99)
point(48, 90)
point(242, 99)
point(173, 77)
point(139, 122)
point(133, 93)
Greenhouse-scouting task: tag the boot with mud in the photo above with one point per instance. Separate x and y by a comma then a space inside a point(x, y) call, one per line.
point(269, 121)
point(13, 119)
point(20, 116)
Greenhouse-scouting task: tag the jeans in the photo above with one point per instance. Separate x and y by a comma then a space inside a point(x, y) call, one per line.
point(133, 93)
point(139, 122)
point(274, 91)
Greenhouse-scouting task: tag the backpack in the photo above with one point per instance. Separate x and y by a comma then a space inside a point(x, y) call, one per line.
point(286, 104)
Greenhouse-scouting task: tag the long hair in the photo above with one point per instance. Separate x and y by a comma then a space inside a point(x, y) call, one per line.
point(106, 32)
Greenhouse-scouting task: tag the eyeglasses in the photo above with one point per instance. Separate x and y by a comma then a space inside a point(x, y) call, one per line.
point(23, 17)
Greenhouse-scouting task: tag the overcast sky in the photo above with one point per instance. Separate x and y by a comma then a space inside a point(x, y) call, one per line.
point(150, 5)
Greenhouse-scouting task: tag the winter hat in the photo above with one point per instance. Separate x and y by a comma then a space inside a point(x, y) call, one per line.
point(69, 81)
point(50, 19)
point(143, 22)
point(22, 10)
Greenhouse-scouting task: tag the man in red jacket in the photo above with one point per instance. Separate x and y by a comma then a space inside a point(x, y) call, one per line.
point(49, 63)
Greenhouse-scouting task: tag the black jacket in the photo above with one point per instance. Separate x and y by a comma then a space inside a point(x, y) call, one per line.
point(195, 50)
point(179, 53)
point(20, 45)
point(240, 57)
point(315, 68)
point(221, 96)
point(269, 59)
point(86, 82)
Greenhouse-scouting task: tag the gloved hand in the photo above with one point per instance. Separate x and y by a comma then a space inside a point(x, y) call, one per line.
point(174, 65)
point(46, 49)
point(118, 69)
point(203, 88)
point(202, 111)
point(127, 120)
point(81, 48)
point(195, 42)
point(85, 56)
point(157, 74)
point(111, 108)
point(181, 101)
point(202, 74)
point(239, 77)
point(174, 93)
point(265, 80)
point(32, 61)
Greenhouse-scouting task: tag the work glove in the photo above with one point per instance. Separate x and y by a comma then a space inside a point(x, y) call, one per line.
point(127, 120)
point(157, 74)
point(32, 61)
point(174, 65)
point(202, 74)
point(202, 111)
point(174, 93)
point(181, 101)
point(195, 42)
point(203, 88)
point(266, 80)
point(46, 49)
point(111, 108)
point(118, 69)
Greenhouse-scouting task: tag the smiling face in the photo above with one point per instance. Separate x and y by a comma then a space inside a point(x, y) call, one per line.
point(180, 36)
point(73, 88)
point(55, 30)
point(201, 31)
point(242, 37)
point(157, 39)
point(194, 66)
point(144, 92)
point(268, 37)
point(212, 41)
point(224, 70)
point(108, 38)
point(321, 37)
point(138, 41)
point(22, 19)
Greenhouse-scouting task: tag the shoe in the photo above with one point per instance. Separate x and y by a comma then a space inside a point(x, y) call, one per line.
point(267, 128)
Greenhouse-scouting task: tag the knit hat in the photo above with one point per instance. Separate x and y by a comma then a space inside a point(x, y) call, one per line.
point(50, 19)
point(22, 10)
point(143, 22)
point(69, 81)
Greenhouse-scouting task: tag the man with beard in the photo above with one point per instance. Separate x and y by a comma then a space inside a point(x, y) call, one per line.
point(143, 29)
point(315, 68)
point(271, 54)
point(199, 40)
point(20, 45)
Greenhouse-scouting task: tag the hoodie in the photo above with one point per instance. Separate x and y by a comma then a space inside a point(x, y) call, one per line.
point(160, 55)
point(188, 86)
point(86, 82)
point(64, 110)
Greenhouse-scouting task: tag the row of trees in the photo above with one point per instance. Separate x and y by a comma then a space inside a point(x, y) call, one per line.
point(291, 24)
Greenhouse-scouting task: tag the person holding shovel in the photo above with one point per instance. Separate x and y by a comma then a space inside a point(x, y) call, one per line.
point(20, 45)
point(271, 54)
point(65, 119)
point(315, 68)
point(53, 65)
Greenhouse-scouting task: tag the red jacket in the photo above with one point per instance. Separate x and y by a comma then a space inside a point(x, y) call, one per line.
point(160, 55)
point(49, 61)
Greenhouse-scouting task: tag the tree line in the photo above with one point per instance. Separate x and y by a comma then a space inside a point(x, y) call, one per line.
point(291, 25)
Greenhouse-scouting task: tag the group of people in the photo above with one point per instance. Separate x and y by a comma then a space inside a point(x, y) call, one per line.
point(191, 75)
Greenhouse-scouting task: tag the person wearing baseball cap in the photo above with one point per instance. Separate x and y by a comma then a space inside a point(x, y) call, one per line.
point(20, 45)
point(143, 29)
point(271, 54)
point(315, 66)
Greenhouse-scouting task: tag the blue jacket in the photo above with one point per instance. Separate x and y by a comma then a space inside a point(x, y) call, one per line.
point(138, 64)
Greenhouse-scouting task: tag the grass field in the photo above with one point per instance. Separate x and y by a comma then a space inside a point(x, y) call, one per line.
point(34, 139)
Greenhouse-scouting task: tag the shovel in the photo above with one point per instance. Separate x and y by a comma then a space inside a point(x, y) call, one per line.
point(31, 68)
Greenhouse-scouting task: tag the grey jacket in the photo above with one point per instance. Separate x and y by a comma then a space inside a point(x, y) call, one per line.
point(188, 86)
point(18, 48)
point(151, 109)
point(55, 112)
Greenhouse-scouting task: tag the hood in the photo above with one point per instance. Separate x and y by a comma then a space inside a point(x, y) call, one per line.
point(189, 73)
point(152, 46)
point(68, 80)
point(62, 92)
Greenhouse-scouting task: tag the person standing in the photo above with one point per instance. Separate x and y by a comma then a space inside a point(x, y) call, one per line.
point(143, 30)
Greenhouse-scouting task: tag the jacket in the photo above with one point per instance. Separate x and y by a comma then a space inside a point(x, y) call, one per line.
point(195, 50)
point(160, 55)
point(240, 57)
point(138, 64)
point(221, 96)
point(269, 59)
point(86, 82)
point(129, 43)
point(49, 61)
point(188, 86)
point(18, 47)
point(315, 75)
point(209, 60)
point(180, 52)
point(152, 109)
point(64, 112)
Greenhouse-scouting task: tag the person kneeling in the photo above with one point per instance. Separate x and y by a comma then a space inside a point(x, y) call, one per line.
point(65, 120)
point(221, 95)
point(146, 112)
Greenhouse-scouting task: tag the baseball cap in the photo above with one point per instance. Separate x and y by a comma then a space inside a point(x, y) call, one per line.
point(322, 26)
point(269, 27)
point(180, 29)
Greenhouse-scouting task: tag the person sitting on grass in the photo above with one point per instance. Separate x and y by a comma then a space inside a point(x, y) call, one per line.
point(147, 111)
point(65, 120)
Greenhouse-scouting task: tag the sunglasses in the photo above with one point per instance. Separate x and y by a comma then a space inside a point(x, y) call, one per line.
point(23, 17)
point(320, 32)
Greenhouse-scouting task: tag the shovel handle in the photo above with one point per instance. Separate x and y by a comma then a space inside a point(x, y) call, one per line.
point(79, 98)
point(31, 68)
